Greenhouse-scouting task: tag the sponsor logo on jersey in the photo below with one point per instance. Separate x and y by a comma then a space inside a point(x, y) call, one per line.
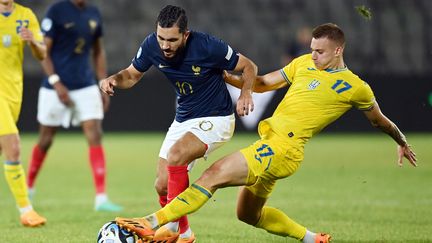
point(162, 66)
point(69, 25)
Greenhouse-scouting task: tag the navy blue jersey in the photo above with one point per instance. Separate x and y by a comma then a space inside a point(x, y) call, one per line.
point(73, 31)
point(196, 74)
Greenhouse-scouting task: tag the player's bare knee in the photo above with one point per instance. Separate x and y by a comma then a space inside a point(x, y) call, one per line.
point(94, 138)
point(95, 141)
point(13, 154)
point(176, 155)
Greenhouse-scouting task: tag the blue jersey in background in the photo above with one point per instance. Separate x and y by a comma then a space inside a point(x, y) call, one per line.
point(196, 74)
point(73, 31)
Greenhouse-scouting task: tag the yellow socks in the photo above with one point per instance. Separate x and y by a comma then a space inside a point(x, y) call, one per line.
point(15, 177)
point(186, 202)
point(272, 220)
point(277, 222)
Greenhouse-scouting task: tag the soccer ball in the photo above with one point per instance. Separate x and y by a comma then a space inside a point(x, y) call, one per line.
point(112, 233)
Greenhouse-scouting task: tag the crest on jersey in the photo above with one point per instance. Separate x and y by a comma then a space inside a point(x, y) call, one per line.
point(314, 84)
point(196, 70)
point(92, 24)
point(7, 40)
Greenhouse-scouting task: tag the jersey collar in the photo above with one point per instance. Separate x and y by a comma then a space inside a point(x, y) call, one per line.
point(329, 70)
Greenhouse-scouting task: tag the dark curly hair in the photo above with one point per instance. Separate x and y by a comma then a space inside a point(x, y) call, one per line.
point(171, 16)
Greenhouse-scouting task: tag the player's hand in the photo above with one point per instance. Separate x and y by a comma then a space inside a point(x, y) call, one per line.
point(63, 94)
point(227, 76)
point(406, 151)
point(105, 101)
point(26, 34)
point(245, 104)
point(107, 85)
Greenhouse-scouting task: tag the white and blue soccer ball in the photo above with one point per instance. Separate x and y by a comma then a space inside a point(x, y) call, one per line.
point(112, 233)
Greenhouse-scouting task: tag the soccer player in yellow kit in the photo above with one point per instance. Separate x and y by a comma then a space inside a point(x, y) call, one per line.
point(18, 26)
point(321, 89)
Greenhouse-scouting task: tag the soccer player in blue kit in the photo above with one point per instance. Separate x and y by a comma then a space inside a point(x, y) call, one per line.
point(73, 32)
point(194, 63)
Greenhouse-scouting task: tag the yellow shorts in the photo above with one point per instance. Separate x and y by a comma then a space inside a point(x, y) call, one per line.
point(270, 159)
point(9, 113)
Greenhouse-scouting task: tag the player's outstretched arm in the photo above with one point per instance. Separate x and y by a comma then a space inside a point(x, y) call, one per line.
point(379, 120)
point(267, 82)
point(270, 81)
point(124, 79)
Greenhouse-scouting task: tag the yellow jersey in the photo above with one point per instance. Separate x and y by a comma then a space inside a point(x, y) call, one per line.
point(314, 99)
point(12, 48)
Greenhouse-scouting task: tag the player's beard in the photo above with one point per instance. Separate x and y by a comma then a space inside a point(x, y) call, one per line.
point(177, 54)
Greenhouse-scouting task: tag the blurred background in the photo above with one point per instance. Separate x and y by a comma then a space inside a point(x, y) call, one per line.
point(392, 52)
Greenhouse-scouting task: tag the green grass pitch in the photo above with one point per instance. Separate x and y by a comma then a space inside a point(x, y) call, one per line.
point(348, 185)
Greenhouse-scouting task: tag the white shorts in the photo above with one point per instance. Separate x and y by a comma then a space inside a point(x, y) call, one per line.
point(213, 131)
point(87, 106)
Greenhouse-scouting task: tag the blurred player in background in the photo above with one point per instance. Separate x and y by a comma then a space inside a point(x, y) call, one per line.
point(194, 63)
point(73, 32)
point(18, 26)
point(298, 46)
point(321, 89)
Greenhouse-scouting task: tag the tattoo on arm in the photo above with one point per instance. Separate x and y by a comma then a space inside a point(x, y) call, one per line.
point(396, 134)
point(380, 121)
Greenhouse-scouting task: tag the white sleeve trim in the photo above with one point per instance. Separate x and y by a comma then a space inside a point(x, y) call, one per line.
point(229, 53)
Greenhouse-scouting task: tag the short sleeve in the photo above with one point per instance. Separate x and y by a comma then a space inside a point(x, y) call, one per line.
point(141, 60)
point(363, 98)
point(288, 72)
point(99, 29)
point(48, 23)
point(222, 55)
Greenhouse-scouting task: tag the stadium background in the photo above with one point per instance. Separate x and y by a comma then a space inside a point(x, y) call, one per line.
point(391, 52)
